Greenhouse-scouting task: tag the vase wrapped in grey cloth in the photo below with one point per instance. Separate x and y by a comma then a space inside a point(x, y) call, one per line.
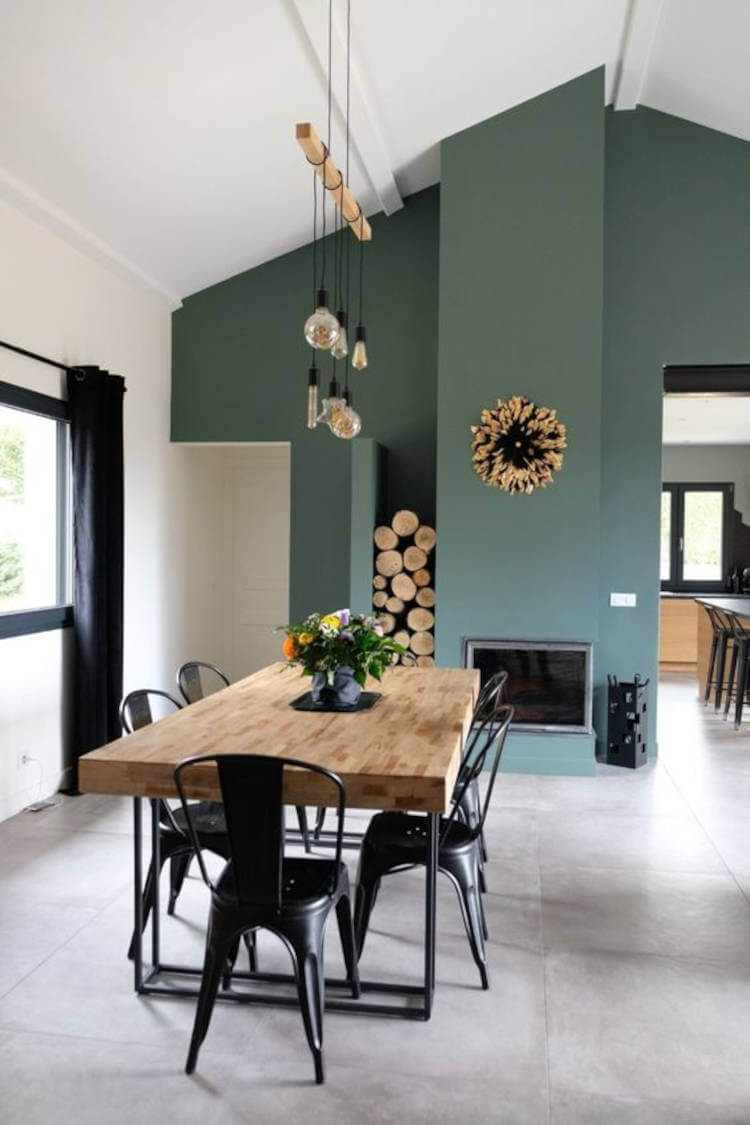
point(343, 692)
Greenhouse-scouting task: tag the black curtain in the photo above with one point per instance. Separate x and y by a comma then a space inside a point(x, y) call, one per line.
point(95, 400)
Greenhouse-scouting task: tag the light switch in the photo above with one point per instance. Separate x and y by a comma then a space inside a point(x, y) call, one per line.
point(620, 600)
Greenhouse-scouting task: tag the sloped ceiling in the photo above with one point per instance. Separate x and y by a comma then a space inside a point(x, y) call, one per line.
point(160, 135)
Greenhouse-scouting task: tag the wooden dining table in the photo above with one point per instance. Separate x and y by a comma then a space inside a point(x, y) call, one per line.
point(403, 753)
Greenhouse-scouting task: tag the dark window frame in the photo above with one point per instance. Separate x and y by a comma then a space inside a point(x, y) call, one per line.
point(677, 489)
point(19, 623)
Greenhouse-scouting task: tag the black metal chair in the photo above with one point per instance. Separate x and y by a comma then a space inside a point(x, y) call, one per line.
point(262, 889)
point(738, 680)
point(175, 845)
point(397, 841)
point(489, 701)
point(720, 642)
point(196, 679)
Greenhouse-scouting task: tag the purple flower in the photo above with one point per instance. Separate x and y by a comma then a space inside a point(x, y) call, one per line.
point(344, 616)
point(378, 629)
point(347, 635)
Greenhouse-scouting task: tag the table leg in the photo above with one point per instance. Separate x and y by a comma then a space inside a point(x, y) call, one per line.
point(156, 868)
point(138, 893)
point(431, 867)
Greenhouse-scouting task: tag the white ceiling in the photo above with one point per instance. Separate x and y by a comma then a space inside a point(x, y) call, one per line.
point(159, 134)
point(706, 420)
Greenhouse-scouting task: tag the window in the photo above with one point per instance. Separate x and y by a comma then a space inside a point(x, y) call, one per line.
point(695, 535)
point(35, 513)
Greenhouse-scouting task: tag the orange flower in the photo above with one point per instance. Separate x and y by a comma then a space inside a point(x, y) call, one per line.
point(290, 648)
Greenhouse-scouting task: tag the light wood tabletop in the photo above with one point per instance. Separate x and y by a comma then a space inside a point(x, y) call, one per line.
point(404, 753)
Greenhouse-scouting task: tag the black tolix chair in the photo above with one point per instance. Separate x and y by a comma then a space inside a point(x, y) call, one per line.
point(260, 888)
point(397, 841)
point(489, 702)
point(196, 679)
point(174, 842)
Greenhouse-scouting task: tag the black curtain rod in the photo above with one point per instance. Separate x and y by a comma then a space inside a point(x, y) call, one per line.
point(39, 358)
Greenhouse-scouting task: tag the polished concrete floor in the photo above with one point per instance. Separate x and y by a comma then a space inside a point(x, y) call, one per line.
point(619, 913)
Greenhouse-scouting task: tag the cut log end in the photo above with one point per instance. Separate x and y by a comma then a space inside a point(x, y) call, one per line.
point(425, 537)
point(414, 558)
point(379, 582)
point(385, 538)
point(423, 644)
point(425, 661)
point(420, 620)
point(379, 599)
point(403, 587)
point(426, 597)
point(389, 563)
point(405, 522)
point(422, 577)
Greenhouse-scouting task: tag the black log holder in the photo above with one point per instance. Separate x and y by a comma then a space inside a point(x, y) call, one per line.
point(627, 707)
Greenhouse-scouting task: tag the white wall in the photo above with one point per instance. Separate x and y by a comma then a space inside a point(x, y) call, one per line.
point(57, 301)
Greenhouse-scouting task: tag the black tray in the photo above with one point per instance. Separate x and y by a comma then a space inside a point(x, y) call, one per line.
point(304, 702)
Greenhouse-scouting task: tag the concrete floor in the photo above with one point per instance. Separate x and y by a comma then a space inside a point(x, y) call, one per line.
point(619, 914)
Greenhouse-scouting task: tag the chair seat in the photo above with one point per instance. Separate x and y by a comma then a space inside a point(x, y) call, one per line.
point(408, 833)
point(305, 881)
point(208, 818)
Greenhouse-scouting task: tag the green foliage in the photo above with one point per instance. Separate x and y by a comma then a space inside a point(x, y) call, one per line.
point(11, 570)
point(340, 640)
point(11, 463)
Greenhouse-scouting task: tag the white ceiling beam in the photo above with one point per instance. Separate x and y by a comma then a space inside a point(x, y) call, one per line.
point(641, 21)
point(36, 207)
point(366, 135)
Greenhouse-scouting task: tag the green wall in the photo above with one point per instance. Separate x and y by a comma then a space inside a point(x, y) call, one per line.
point(521, 243)
point(579, 251)
point(240, 374)
point(676, 290)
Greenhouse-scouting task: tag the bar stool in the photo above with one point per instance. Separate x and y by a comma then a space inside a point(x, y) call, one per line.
point(738, 680)
point(723, 633)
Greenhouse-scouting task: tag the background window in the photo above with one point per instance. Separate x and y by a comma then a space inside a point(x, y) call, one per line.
point(35, 512)
point(695, 535)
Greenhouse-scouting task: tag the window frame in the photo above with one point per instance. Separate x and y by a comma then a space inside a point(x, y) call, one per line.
point(20, 623)
point(677, 489)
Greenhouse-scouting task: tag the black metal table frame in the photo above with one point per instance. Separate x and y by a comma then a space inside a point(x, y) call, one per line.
point(147, 980)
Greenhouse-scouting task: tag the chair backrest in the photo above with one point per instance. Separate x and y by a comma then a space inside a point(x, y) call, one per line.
point(734, 624)
point(136, 708)
point(196, 679)
point(489, 701)
point(493, 730)
point(252, 789)
point(491, 695)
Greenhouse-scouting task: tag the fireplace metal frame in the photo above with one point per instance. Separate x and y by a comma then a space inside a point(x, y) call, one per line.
point(469, 644)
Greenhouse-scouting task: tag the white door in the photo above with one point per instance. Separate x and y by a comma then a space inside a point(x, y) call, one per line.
point(257, 510)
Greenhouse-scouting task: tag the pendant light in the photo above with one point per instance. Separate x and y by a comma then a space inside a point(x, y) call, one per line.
point(323, 331)
point(359, 355)
point(312, 398)
point(322, 328)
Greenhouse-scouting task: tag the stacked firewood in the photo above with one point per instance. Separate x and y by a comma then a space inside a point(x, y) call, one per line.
point(404, 594)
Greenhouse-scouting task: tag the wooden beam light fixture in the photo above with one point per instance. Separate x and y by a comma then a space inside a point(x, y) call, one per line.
point(332, 180)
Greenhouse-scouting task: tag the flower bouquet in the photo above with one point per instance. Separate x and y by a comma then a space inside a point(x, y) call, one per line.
point(339, 650)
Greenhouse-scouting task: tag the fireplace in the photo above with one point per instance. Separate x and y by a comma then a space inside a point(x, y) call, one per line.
point(549, 682)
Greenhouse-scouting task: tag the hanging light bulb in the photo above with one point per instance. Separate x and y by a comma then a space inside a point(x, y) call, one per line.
point(331, 403)
point(312, 398)
point(322, 328)
point(345, 422)
point(341, 347)
point(359, 355)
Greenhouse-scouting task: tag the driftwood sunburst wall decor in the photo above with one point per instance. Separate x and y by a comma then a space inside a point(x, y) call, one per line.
point(518, 446)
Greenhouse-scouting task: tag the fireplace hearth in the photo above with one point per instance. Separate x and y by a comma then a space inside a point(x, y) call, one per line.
point(549, 682)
